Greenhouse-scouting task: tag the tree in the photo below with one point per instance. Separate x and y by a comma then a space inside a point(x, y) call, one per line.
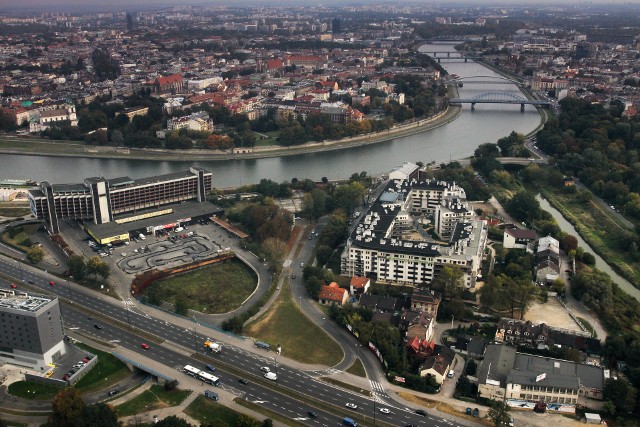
point(67, 406)
point(247, 421)
point(35, 254)
point(523, 206)
point(77, 267)
point(97, 415)
point(97, 267)
point(449, 281)
point(621, 393)
point(594, 289)
point(471, 367)
point(173, 421)
point(499, 413)
point(274, 250)
point(569, 243)
point(182, 305)
point(116, 138)
point(487, 150)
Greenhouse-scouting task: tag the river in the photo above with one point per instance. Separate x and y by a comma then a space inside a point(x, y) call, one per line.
point(566, 226)
point(455, 140)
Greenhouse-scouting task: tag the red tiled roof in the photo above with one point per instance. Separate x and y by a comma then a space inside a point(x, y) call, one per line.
point(275, 63)
point(165, 80)
point(332, 292)
point(358, 282)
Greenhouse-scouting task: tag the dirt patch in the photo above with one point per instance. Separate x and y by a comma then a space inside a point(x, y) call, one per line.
point(444, 408)
point(552, 314)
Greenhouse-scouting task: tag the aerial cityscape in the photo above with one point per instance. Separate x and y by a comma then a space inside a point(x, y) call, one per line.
point(335, 214)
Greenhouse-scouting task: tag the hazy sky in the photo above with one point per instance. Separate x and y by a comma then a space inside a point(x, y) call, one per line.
point(52, 4)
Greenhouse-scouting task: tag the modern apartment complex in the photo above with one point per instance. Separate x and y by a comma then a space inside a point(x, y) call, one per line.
point(389, 244)
point(31, 330)
point(100, 199)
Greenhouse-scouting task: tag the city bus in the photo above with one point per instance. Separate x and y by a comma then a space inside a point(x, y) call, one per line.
point(190, 370)
point(208, 378)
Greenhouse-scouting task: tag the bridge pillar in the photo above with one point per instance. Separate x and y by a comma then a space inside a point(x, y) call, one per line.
point(448, 54)
point(438, 60)
point(473, 106)
point(465, 59)
point(522, 108)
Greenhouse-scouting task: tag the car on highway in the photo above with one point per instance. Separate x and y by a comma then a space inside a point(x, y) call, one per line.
point(97, 326)
point(421, 412)
point(351, 405)
point(243, 381)
point(385, 411)
point(265, 369)
point(271, 376)
point(13, 286)
point(52, 283)
point(114, 392)
point(211, 368)
point(144, 346)
point(312, 414)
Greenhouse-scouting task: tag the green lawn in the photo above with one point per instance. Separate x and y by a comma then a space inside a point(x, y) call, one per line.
point(271, 140)
point(218, 288)
point(108, 371)
point(20, 240)
point(154, 398)
point(357, 369)
point(300, 338)
point(33, 391)
point(206, 410)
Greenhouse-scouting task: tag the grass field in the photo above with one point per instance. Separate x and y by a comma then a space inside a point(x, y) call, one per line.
point(271, 140)
point(21, 239)
point(108, 371)
point(206, 410)
point(213, 289)
point(154, 398)
point(300, 338)
point(33, 391)
point(357, 369)
point(597, 227)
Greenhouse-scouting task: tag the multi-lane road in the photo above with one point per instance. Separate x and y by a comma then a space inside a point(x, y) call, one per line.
point(173, 345)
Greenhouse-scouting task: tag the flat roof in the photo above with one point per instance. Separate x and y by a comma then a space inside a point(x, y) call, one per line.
point(22, 301)
point(180, 211)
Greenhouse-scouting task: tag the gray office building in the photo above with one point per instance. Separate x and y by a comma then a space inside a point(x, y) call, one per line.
point(31, 330)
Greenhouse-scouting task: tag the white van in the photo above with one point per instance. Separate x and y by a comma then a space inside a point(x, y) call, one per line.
point(271, 376)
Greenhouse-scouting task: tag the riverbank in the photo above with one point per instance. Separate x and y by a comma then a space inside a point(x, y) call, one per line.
point(35, 147)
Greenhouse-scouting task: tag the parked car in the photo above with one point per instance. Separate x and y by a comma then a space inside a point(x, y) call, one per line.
point(13, 286)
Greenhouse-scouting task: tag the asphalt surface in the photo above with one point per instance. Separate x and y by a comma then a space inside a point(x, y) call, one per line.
point(174, 345)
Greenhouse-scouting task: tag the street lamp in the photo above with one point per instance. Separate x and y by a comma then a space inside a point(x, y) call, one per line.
point(452, 321)
point(275, 362)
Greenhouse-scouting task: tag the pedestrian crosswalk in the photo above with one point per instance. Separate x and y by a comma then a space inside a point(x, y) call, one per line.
point(376, 387)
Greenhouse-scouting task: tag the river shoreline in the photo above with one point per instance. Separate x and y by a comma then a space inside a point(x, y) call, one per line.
point(71, 150)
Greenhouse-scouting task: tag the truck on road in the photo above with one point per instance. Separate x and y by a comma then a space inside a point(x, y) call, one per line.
point(213, 346)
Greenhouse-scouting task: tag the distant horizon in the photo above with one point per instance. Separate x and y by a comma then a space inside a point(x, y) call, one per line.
point(83, 6)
